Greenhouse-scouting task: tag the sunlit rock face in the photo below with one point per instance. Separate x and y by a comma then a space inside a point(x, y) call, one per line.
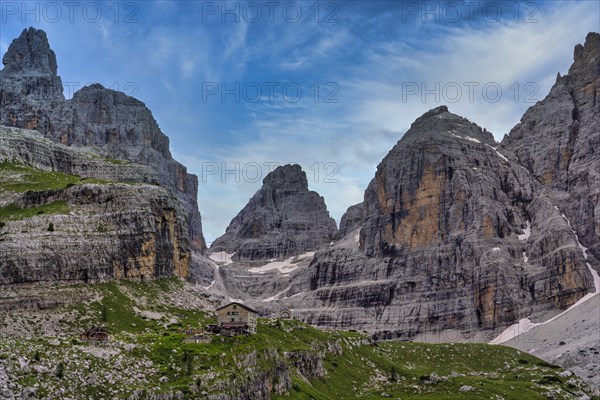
point(443, 243)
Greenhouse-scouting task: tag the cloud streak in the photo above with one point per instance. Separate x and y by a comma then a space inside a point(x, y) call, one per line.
point(371, 53)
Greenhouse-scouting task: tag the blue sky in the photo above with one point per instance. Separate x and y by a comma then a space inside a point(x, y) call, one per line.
point(329, 85)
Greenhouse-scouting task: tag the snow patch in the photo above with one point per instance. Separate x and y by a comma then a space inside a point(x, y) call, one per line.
point(278, 295)
point(232, 300)
point(514, 330)
point(497, 152)
point(221, 257)
point(285, 266)
point(525, 258)
point(211, 285)
point(471, 139)
point(496, 249)
point(526, 232)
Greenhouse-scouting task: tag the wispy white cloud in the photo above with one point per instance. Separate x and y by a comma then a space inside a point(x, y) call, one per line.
point(104, 27)
point(368, 55)
point(511, 55)
point(371, 116)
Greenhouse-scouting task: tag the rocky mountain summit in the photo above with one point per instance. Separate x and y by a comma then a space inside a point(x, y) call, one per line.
point(455, 232)
point(281, 220)
point(459, 235)
point(117, 126)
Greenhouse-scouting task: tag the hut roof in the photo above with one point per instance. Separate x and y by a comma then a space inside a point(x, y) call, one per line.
point(239, 304)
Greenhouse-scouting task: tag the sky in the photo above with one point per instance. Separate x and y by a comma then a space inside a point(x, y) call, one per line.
point(242, 86)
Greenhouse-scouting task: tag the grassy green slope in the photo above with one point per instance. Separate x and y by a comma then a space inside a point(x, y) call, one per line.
point(19, 178)
point(146, 353)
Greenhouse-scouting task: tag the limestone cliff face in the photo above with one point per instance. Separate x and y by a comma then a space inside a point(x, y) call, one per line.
point(85, 232)
point(558, 141)
point(139, 218)
point(30, 148)
point(117, 125)
point(455, 236)
point(281, 220)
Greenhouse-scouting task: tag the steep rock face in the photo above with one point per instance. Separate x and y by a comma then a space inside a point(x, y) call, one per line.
point(446, 205)
point(281, 220)
point(138, 234)
point(85, 232)
point(103, 118)
point(558, 140)
point(351, 220)
point(456, 237)
point(117, 125)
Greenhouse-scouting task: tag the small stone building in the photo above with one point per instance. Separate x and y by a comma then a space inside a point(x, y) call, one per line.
point(286, 314)
point(197, 339)
point(236, 318)
point(95, 334)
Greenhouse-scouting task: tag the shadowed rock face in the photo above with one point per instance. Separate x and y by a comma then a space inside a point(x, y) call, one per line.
point(558, 141)
point(351, 220)
point(121, 127)
point(281, 220)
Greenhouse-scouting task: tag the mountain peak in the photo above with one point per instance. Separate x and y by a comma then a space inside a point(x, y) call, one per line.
point(30, 54)
point(592, 43)
point(288, 176)
point(440, 121)
point(437, 113)
point(281, 220)
point(586, 59)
